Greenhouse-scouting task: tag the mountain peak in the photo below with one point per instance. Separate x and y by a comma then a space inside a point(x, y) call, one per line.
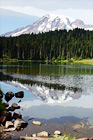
point(51, 22)
point(54, 16)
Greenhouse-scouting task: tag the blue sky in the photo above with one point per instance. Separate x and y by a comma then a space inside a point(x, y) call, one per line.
point(77, 9)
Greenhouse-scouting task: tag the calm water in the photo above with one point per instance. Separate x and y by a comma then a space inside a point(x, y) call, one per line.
point(51, 90)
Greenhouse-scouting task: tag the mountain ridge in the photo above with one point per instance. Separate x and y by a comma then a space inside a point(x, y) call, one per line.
point(50, 22)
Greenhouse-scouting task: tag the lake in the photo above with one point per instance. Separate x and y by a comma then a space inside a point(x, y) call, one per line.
point(51, 90)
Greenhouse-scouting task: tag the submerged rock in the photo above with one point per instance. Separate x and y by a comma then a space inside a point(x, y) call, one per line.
point(9, 96)
point(36, 123)
point(19, 94)
point(20, 124)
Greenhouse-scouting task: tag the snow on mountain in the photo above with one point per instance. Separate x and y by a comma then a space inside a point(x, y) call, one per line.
point(51, 23)
point(45, 94)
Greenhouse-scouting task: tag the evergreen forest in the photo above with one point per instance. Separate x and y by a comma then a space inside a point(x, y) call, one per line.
point(60, 45)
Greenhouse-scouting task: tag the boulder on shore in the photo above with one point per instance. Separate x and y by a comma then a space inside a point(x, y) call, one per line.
point(16, 116)
point(9, 96)
point(9, 129)
point(57, 132)
point(41, 134)
point(20, 124)
point(13, 107)
point(9, 124)
point(5, 116)
point(16, 106)
point(10, 109)
point(19, 94)
point(36, 123)
point(6, 104)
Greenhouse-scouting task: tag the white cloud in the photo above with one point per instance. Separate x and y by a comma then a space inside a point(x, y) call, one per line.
point(26, 10)
point(83, 14)
point(50, 4)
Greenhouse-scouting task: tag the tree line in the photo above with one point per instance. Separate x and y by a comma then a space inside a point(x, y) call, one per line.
point(62, 44)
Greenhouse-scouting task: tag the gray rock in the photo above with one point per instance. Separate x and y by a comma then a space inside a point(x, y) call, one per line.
point(9, 129)
point(20, 124)
point(57, 132)
point(16, 106)
point(13, 107)
point(42, 134)
point(36, 123)
point(34, 135)
point(9, 124)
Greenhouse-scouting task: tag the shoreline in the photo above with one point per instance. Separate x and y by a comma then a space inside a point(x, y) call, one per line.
point(70, 61)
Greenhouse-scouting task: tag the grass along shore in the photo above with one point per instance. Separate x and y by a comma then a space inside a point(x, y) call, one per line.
point(83, 61)
point(69, 61)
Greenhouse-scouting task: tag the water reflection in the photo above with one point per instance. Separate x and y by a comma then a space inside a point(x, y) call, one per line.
point(50, 90)
point(50, 83)
point(45, 69)
point(54, 90)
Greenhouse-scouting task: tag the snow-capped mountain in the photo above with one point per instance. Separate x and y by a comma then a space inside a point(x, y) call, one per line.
point(51, 23)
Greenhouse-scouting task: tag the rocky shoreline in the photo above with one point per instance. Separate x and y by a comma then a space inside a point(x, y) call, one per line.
point(9, 119)
point(10, 122)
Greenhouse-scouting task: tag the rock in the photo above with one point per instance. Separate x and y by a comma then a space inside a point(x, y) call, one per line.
point(36, 123)
point(34, 135)
point(9, 96)
point(9, 129)
point(20, 124)
point(15, 106)
point(9, 124)
point(5, 116)
point(6, 104)
point(57, 132)
point(19, 94)
point(16, 116)
point(10, 109)
point(42, 134)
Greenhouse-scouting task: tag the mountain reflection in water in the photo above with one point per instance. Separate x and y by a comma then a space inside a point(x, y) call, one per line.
point(66, 85)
